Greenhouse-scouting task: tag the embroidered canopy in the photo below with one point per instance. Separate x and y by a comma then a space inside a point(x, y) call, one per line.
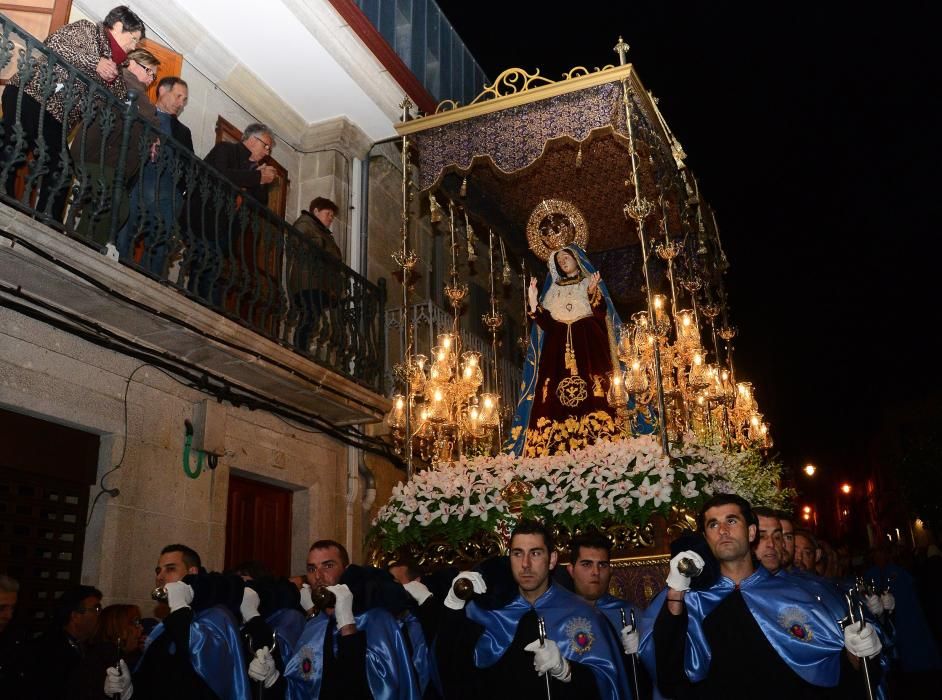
point(527, 139)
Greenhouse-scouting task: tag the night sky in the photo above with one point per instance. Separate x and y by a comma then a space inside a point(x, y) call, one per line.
point(813, 131)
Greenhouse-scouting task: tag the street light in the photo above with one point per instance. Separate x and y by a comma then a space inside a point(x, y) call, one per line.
point(810, 469)
point(806, 509)
point(845, 488)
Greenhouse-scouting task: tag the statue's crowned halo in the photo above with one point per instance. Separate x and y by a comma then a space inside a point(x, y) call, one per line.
point(554, 224)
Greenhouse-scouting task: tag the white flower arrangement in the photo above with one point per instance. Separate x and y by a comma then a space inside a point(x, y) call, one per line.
point(613, 482)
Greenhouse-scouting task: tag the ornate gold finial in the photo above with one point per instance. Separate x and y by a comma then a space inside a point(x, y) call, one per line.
point(554, 224)
point(515, 493)
point(406, 106)
point(621, 48)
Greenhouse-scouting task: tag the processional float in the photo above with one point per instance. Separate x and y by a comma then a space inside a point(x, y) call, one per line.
point(532, 166)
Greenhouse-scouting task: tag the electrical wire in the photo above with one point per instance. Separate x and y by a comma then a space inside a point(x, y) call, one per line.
point(193, 375)
point(318, 385)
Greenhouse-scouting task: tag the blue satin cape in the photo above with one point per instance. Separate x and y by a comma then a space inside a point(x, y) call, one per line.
point(288, 625)
point(216, 652)
point(389, 671)
point(801, 629)
point(566, 616)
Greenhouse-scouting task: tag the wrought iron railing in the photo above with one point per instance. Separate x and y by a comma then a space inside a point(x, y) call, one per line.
point(107, 177)
point(430, 320)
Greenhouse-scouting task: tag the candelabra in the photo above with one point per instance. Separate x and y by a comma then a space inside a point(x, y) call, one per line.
point(450, 415)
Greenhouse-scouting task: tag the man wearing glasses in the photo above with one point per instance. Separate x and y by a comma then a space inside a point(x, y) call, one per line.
point(51, 660)
point(213, 228)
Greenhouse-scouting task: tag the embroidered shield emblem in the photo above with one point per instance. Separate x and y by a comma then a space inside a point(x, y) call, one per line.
point(580, 634)
point(307, 663)
point(795, 621)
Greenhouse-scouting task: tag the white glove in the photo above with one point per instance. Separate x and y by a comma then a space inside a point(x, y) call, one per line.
point(889, 601)
point(118, 681)
point(477, 581)
point(343, 610)
point(418, 590)
point(250, 603)
point(630, 639)
point(874, 605)
point(262, 667)
point(306, 601)
point(677, 580)
point(863, 643)
point(546, 657)
point(179, 595)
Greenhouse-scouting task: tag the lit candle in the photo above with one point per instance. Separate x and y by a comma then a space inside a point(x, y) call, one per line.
point(659, 302)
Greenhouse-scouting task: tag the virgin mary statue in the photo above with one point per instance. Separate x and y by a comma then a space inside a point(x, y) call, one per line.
point(564, 400)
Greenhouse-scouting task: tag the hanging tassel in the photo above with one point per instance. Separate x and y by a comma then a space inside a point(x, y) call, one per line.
point(579, 157)
point(463, 190)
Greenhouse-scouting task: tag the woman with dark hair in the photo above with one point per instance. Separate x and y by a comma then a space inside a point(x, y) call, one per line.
point(120, 636)
point(37, 98)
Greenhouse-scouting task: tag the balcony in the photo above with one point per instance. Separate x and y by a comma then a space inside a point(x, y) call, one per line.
point(139, 245)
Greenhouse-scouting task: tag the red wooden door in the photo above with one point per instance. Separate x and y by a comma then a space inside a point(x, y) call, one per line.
point(258, 525)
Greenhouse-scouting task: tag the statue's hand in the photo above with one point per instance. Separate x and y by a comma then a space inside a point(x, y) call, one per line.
point(594, 282)
point(532, 294)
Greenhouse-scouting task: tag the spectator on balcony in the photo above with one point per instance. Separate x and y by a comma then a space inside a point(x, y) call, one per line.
point(37, 100)
point(313, 286)
point(157, 196)
point(212, 223)
point(97, 151)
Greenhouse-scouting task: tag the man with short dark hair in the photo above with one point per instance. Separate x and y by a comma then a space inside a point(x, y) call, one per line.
point(196, 652)
point(769, 545)
point(497, 652)
point(591, 571)
point(175, 562)
point(157, 195)
point(404, 571)
point(50, 661)
point(749, 626)
point(788, 539)
point(341, 654)
point(806, 549)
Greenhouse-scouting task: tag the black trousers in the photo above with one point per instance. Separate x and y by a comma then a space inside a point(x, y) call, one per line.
point(36, 123)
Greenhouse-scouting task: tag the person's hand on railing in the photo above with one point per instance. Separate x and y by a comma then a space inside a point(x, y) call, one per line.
point(153, 151)
point(267, 173)
point(107, 69)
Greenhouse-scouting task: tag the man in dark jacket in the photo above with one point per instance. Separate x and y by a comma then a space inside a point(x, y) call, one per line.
point(313, 282)
point(213, 222)
point(50, 661)
point(157, 196)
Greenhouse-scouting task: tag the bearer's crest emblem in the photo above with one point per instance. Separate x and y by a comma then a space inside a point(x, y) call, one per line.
point(308, 664)
point(795, 621)
point(580, 635)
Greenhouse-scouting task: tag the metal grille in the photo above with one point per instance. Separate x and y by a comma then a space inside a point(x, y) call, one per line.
point(42, 534)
